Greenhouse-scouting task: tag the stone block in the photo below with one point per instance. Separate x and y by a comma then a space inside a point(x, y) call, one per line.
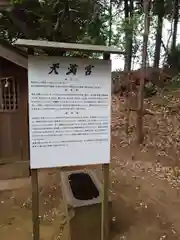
point(82, 192)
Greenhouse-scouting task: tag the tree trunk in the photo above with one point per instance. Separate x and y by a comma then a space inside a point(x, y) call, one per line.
point(128, 11)
point(126, 16)
point(140, 112)
point(159, 35)
point(175, 25)
point(110, 23)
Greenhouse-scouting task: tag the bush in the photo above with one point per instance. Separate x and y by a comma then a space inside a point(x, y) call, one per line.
point(150, 90)
point(175, 83)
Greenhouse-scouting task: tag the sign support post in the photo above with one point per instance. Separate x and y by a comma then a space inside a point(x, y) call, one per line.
point(105, 197)
point(35, 204)
point(34, 186)
point(105, 208)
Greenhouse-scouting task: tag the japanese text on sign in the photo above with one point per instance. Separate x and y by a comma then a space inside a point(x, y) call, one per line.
point(72, 69)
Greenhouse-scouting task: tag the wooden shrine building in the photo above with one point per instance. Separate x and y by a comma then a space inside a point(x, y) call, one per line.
point(13, 106)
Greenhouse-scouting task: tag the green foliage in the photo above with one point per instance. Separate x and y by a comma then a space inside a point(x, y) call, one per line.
point(174, 84)
point(97, 30)
point(173, 59)
point(134, 26)
point(54, 20)
point(150, 90)
point(83, 21)
point(158, 7)
point(168, 8)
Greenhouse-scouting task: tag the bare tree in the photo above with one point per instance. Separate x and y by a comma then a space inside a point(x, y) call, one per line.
point(128, 14)
point(175, 24)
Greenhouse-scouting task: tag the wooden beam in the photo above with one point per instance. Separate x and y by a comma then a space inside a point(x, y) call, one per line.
point(13, 56)
point(67, 46)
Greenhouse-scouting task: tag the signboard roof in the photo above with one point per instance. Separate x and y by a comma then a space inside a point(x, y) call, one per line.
point(67, 46)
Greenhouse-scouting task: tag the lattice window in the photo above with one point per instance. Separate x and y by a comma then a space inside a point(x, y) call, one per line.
point(8, 94)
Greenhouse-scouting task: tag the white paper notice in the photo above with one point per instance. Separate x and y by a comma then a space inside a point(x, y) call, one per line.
point(69, 111)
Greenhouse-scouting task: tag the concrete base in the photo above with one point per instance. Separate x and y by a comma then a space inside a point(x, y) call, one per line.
point(86, 222)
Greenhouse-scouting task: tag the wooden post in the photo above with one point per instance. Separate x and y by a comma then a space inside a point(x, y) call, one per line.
point(105, 196)
point(105, 207)
point(35, 204)
point(30, 52)
point(35, 188)
point(66, 208)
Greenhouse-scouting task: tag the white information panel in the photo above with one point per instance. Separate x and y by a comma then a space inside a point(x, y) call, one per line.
point(69, 111)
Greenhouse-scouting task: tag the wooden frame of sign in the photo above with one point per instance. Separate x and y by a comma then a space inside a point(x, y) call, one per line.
point(30, 45)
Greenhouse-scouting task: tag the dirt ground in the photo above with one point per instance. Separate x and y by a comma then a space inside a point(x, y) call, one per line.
point(145, 183)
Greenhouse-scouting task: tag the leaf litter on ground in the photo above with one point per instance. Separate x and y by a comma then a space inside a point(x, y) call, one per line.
point(162, 133)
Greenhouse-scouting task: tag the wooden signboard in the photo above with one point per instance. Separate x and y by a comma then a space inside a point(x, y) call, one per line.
point(69, 114)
